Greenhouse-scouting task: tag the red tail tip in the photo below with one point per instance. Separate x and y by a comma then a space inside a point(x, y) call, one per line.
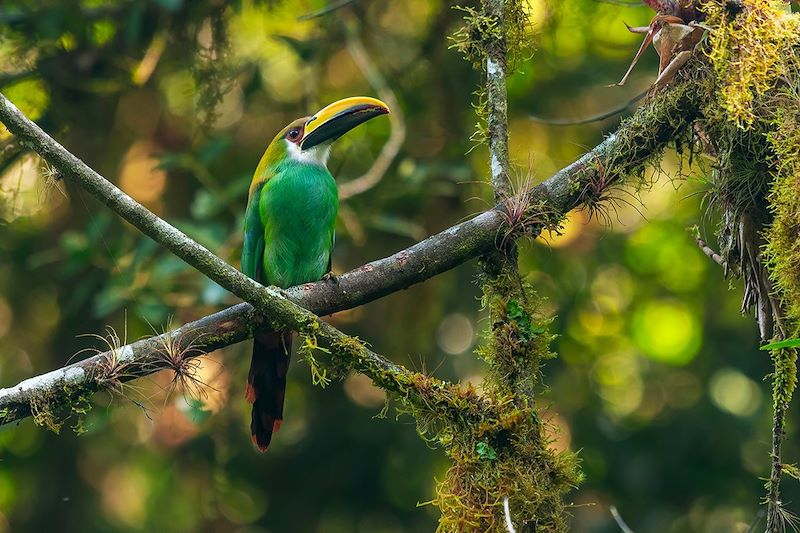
point(276, 425)
point(250, 393)
point(261, 448)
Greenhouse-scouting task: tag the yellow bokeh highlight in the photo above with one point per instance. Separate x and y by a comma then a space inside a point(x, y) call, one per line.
point(733, 392)
point(140, 176)
point(596, 324)
point(261, 36)
point(571, 230)
point(360, 389)
point(538, 12)
point(30, 96)
point(612, 289)
point(20, 192)
point(455, 334)
point(619, 378)
point(124, 492)
point(395, 17)
point(667, 331)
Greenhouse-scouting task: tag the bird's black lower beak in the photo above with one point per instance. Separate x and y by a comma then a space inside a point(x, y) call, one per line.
point(340, 117)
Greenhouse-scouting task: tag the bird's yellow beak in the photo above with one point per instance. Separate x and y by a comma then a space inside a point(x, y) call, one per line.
point(335, 120)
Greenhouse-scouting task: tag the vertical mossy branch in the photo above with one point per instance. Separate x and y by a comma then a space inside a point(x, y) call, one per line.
point(753, 51)
point(505, 458)
point(783, 384)
point(497, 99)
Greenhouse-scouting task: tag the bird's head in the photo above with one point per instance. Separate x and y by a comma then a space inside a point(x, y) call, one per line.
point(309, 139)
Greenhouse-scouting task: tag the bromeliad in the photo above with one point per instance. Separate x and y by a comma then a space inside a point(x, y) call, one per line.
point(289, 234)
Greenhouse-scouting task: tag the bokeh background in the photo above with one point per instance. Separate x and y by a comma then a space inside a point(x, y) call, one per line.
point(659, 382)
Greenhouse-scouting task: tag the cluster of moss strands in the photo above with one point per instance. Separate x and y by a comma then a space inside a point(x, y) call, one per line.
point(783, 236)
point(478, 31)
point(524, 469)
point(518, 340)
point(749, 52)
point(508, 455)
point(479, 28)
point(52, 413)
point(753, 123)
point(784, 380)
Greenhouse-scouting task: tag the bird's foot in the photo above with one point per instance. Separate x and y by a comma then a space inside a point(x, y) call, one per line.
point(330, 276)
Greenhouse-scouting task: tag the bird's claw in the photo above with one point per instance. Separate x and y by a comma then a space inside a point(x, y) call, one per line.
point(330, 276)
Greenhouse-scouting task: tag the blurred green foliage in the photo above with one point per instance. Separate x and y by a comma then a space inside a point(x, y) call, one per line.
point(658, 380)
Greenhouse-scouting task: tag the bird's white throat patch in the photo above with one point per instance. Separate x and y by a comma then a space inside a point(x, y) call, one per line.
point(317, 155)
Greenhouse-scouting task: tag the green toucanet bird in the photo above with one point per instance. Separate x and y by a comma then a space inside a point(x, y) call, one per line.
point(289, 234)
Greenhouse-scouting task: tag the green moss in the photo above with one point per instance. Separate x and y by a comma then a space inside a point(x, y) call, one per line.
point(480, 28)
point(751, 130)
point(784, 379)
point(749, 53)
point(473, 41)
point(53, 410)
point(306, 351)
point(782, 249)
point(752, 125)
point(506, 452)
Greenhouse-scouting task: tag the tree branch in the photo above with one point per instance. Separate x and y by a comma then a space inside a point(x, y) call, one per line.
point(497, 100)
point(706, 249)
point(626, 151)
point(279, 312)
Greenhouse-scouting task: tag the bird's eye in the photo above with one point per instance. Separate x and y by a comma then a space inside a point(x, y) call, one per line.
point(294, 134)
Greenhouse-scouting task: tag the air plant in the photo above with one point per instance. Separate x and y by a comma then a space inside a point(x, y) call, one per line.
point(178, 351)
point(674, 32)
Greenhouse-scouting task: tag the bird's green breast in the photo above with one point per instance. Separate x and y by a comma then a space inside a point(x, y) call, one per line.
point(297, 209)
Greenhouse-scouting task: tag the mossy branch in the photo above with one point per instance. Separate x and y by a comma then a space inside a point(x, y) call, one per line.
point(497, 100)
point(279, 312)
point(625, 152)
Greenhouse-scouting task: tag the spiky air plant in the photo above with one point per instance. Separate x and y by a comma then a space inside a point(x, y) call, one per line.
point(52, 179)
point(114, 367)
point(739, 187)
point(600, 196)
point(518, 211)
point(674, 32)
point(178, 353)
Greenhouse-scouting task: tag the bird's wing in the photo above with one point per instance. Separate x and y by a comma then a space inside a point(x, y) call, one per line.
point(330, 251)
point(253, 249)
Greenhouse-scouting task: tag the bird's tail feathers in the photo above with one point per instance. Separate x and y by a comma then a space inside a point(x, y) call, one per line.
point(266, 384)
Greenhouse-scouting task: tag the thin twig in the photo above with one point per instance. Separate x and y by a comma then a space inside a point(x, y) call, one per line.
point(397, 122)
point(330, 8)
point(618, 519)
point(507, 511)
point(718, 259)
point(591, 118)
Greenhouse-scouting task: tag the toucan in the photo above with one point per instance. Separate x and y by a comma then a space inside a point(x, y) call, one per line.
point(289, 235)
